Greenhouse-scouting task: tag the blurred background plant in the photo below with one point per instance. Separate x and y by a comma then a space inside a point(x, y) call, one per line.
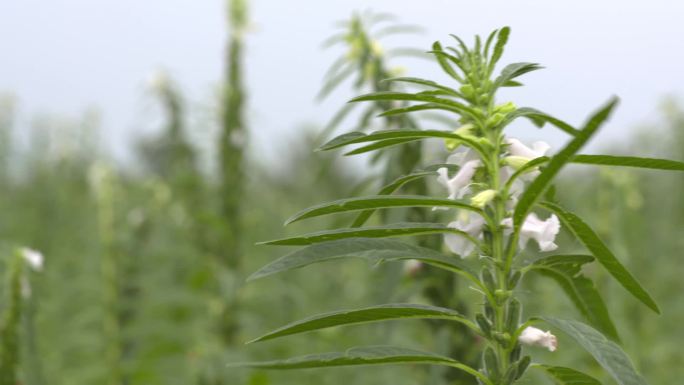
point(144, 264)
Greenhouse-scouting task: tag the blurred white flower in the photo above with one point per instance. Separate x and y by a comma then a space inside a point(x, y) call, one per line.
point(33, 258)
point(470, 223)
point(535, 337)
point(544, 232)
point(412, 267)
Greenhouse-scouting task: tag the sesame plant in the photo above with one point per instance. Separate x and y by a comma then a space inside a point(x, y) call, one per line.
point(501, 200)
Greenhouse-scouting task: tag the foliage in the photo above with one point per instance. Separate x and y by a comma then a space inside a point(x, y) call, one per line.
point(488, 177)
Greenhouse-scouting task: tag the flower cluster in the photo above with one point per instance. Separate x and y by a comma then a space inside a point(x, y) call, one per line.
point(464, 183)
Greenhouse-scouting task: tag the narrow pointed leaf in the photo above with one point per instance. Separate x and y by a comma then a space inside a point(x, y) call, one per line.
point(443, 62)
point(515, 70)
point(567, 376)
point(416, 108)
point(360, 137)
point(389, 189)
point(386, 231)
point(380, 145)
point(362, 316)
point(537, 187)
point(603, 255)
point(566, 271)
point(373, 250)
point(424, 82)
point(630, 161)
point(539, 118)
point(501, 40)
point(607, 353)
point(419, 97)
point(378, 202)
point(370, 355)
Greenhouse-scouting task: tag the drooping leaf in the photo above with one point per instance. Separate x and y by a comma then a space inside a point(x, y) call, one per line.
point(630, 161)
point(515, 70)
point(539, 118)
point(390, 230)
point(605, 257)
point(567, 376)
point(566, 271)
point(364, 315)
point(537, 187)
point(374, 250)
point(608, 354)
point(371, 355)
point(378, 202)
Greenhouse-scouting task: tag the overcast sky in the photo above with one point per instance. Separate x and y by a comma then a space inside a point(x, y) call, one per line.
point(63, 56)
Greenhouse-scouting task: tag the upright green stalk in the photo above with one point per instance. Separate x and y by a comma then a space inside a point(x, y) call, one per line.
point(233, 136)
point(11, 318)
point(103, 185)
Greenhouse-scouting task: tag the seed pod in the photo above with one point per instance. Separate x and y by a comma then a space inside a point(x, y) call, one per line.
point(514, 279)
point(513, 315)
point(484, 324)
point(488, 279)
point(489, 311)
point(522, 366)
point(490, 364)
point(515, 353)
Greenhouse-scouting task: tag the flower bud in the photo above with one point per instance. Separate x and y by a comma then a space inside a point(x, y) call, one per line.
point(495, 119)
point(465, 130)
point(517, 162)
point(483, 198)
point(33, 258)
point(505, 108)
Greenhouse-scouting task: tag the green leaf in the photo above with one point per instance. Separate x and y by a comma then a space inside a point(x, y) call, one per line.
point(378, 202)
point(380, 145)
point(373, 250)
point(443, 62)
point(415, 108)
point(501, 40)
point(419, 97)
point(391, 230)
point(608, 354)
point(514, 70)
point(371, 355)
point(362, 316)
point(565, 270)
point(424, 82)
point(360, 137)
point(630, 161)
point(567, 376)
point(539, 118)
point(389, 189)
point(537, 187)
point(604, 256)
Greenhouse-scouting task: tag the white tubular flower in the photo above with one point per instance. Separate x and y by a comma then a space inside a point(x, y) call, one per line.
point(469, 223)
point(535, 337)
point(412, 267)
point(457, 186)
point(33, 258)
point(521, 154)
point(544, 232)
point(517, 148)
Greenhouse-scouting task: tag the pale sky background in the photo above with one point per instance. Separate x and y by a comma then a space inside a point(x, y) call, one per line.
point(63, 56)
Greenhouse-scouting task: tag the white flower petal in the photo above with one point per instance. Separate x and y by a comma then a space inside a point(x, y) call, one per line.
point(458, 185)
point(469, 223)
point(517, 148)
point(532, 336)
point(544, 232)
